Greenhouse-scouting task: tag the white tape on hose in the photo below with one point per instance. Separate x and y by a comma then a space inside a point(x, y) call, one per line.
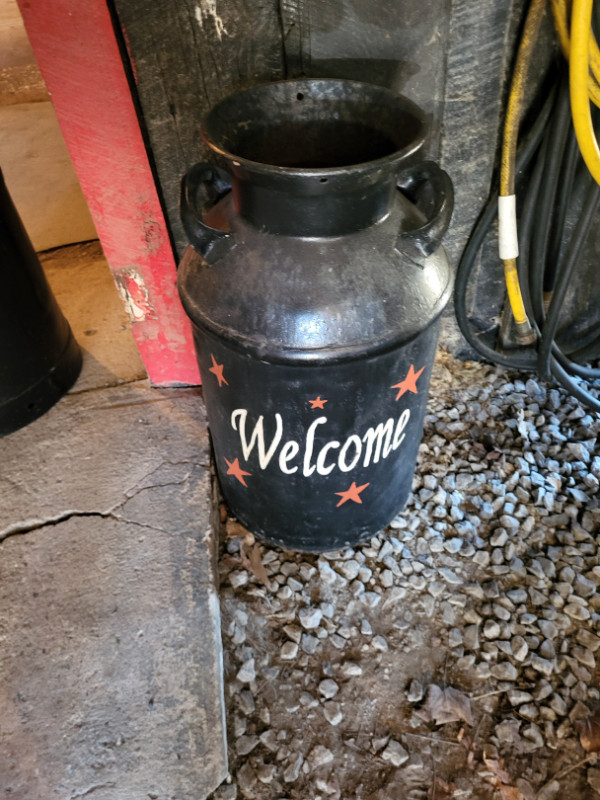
point(508, 242)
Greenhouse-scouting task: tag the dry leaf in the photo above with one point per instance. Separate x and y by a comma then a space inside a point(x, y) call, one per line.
point(250, 551)
point(257, 566)
point(442, 790)
point(497, 768)
point(235, 529)
point(589, 732)
point(501, 780)
point(251, 554)
point(463, 738)
point(446, 705)
point(510, 793)
point(230, 561)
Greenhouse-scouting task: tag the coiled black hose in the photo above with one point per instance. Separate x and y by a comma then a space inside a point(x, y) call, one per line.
point(549, 161)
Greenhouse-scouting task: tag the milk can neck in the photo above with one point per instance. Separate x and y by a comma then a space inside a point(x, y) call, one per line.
point(313, 203)
point(314, 157)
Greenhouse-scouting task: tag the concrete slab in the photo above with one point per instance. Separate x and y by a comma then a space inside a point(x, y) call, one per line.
point(83, 285)
point(110, 656)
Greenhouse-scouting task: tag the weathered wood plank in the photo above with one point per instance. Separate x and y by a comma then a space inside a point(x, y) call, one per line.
point(185, 57)
point(400, 45)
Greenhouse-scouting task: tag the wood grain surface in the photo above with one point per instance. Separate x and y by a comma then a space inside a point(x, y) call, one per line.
point(186, 56)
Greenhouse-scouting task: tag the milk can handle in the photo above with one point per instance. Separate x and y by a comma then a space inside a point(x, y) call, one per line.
point(430, 189)
point(201, 187)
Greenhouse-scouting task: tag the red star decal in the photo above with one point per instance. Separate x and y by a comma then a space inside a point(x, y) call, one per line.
point(318, 403)
point(217, 369)
point(353, 493)
point(409, 384)
point(236, 470)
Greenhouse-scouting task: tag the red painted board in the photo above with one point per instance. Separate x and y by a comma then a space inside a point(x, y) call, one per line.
point(79, 58)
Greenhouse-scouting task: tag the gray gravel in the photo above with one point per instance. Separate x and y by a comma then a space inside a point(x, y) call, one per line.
point(487, 581)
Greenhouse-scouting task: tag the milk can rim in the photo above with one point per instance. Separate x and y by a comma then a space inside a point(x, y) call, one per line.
point(240, 165)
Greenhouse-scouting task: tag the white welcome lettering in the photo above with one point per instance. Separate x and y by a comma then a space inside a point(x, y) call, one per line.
point(288, 452)
point(258, 436)
point(355, 441)
point(376, 435)
point(376, 443)
point(399, 432)
point(310, 442)
point(321, 468)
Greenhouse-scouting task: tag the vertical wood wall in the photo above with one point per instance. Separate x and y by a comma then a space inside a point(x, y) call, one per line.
point(185, 56)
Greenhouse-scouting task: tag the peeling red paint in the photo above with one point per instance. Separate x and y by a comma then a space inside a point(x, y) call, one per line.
point(135, 295)
point(153, 233)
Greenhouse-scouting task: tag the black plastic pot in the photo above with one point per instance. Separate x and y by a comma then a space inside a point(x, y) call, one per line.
point(314, 283)
point(39, 358)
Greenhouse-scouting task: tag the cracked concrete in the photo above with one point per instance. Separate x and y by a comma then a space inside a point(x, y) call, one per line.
point(110, 650)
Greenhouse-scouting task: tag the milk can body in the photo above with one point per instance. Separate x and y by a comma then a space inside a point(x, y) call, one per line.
point(315, 280)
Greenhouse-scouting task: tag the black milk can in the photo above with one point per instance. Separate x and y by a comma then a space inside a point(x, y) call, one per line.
point(315, 280)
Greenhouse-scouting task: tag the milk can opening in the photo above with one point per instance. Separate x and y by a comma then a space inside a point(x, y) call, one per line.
point(314, 124)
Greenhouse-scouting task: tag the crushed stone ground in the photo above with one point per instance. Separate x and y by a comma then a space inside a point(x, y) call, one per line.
point(453, 655)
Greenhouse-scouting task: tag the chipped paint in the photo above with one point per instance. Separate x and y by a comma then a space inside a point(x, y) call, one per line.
point(151, 232)
point(208, 10)
point(134, 294)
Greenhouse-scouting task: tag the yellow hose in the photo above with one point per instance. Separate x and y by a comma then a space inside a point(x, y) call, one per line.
point(515, 298)
point(581, 31)
point(560, 11)
point(562, 14)
point(509, 152)
point(517, 96)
